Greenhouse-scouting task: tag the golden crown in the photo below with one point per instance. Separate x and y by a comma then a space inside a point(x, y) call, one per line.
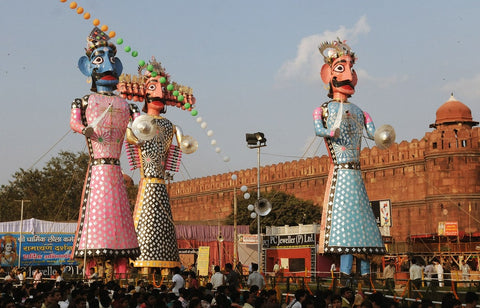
point(335, 49)
point(97, 38)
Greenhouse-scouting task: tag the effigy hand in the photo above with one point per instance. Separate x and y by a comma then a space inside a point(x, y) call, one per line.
point(87, 131)
point(335, 133)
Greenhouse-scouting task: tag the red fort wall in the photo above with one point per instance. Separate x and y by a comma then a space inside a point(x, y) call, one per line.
point(424, 179)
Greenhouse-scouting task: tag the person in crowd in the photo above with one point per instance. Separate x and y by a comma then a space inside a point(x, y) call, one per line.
point(377, 299)
point(427, 303)
point(300, 297)
point(177, 281)
point(439, 270)
point(429, 272)
point(217, 279)
point(58, 276)
point(37, 277)
point(416, 274)
point(232, 278)
point(348, 297)
point(336, 301)
point(449, 300)
point(92, 275)
point(471, 299)
point(465, 268)
point(249, 299)
point(389, 276)
point(255, 278)
point(192, 280)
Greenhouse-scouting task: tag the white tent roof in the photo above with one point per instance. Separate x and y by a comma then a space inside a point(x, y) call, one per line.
point(36, 226)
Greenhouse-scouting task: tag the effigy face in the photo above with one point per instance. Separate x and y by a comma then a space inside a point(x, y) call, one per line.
point(155, 95)
point(102, 66)
point(340, 75)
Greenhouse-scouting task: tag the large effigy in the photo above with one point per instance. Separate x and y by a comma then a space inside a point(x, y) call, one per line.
point(348, 226)
point(105, 226)
point(151, 149)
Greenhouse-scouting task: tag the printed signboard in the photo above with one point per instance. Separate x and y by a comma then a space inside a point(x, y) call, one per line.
point(36, 249)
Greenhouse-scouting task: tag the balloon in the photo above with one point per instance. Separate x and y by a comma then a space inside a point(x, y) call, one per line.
point(226, 159)
point(234, 177)
point(253, 215)
point(250, 207)
point(244, 188)
point(246, 196)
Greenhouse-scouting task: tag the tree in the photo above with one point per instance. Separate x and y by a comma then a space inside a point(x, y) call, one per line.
point(54, 192)
point(286, 210)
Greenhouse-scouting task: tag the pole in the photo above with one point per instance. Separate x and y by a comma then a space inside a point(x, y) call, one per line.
point(21, 231)
point(235, 239)
point(260, 265)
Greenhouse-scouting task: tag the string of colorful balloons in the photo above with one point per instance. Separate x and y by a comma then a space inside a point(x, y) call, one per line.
point(134, 53)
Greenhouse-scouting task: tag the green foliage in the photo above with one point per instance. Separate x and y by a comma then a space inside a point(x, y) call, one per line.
point(54, 192)
point(286, 210)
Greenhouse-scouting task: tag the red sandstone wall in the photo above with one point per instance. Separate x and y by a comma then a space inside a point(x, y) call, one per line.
point(422, 178)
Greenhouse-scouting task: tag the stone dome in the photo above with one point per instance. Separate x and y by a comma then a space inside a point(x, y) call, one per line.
point(453, 111)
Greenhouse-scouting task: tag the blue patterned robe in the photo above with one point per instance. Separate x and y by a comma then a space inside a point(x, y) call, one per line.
point(348, 224)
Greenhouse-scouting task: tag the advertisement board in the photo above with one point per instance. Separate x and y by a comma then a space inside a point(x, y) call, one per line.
point(36, 249)
point(382, 210)
point(448, 228)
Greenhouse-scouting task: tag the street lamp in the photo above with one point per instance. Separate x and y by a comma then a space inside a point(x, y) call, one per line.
point(21, 232)
point(257, 141)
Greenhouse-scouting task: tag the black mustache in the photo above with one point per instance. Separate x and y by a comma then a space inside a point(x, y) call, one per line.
point(342, 83)
point(98, 76)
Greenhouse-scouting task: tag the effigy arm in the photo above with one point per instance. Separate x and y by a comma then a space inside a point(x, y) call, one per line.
point(320, 129)
point(369, 125)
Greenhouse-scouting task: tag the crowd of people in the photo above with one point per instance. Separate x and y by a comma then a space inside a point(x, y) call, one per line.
point(432, 274)
point(78, 294)
point(224, 289)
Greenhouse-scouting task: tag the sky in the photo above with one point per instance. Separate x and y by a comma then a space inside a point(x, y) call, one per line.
point(253, 66)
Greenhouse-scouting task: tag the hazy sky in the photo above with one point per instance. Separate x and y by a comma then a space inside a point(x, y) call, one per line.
point(253, 65)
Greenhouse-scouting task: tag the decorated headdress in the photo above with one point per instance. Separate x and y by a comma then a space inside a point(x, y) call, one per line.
point(9, 239)
point(335, 49)
point(96, 39)
point(177, 95)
